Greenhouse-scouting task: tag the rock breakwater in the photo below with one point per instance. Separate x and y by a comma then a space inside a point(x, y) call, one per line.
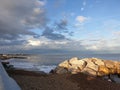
point(91, 66)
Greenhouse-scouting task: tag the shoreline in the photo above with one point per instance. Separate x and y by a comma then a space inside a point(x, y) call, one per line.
point(30, 80)
point(39, 80)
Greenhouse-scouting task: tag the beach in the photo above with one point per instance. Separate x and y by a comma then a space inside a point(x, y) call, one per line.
point(29, 80)
point(31, 76)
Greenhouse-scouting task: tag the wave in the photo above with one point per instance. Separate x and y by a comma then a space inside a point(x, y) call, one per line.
point(32, 66)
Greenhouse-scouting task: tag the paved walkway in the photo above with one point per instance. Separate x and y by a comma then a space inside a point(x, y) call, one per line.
point(6, 82)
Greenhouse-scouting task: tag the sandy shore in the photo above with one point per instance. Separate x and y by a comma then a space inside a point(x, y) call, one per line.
point(37, 81)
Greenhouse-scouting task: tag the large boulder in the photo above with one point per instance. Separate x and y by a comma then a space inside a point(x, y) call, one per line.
point(73, 66)
point(91, 66)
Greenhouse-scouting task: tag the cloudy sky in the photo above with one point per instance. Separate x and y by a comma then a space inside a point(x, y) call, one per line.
point(52, 26)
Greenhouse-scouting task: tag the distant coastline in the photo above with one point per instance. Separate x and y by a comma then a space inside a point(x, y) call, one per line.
point(9, 56)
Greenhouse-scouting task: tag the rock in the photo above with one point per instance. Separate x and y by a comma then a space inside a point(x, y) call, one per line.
point(61, 70)
point(117, 66)
point(114, 78)
point(109, 64)
point(74, 71)
point(89, 71)
point(91, 66)
point(74, 63)
point(73, 60)
point(112, 66)
point(64, 64)
point(118, 71)
point(98, 61)
point(103, 70)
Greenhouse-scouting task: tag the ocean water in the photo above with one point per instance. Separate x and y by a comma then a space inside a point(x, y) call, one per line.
point(50, 61)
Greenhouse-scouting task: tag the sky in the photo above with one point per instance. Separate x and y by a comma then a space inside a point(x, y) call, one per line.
point(59, 26)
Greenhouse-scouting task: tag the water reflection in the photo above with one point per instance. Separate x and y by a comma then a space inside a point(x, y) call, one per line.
point(56, 59)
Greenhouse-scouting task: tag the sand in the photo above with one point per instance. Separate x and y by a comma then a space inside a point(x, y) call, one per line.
point(29, 80)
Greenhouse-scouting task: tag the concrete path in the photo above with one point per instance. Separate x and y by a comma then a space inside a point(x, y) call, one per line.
point(6, 82)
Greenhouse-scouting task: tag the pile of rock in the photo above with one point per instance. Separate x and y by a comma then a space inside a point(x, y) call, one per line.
point(91, 66)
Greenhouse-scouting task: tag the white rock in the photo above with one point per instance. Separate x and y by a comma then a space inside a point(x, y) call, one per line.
point(99, 62)
point(73, 60)
point(89, 71)
point(92, 65)
point(64, 64)
point(77, 64)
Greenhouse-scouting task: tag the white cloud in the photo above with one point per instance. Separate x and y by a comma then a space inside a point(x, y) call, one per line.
point(31, 43)
point(81, 19)
point(34, 42)
point(37, 11)
point(40, 3)
point(82, 8)
point(116, 33)
point(102, 45)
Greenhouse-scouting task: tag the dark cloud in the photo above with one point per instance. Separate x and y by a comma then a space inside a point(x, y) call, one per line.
point(50, 34)
point(58, 31)
point(71, 33)
point(62, 25)
point(11, 42)
point(16, 16)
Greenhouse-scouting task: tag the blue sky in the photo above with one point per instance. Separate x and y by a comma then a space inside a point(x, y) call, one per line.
point(37, 26)
point(95, 14)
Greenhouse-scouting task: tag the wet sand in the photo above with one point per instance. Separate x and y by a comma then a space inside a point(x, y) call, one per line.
point(29, 80)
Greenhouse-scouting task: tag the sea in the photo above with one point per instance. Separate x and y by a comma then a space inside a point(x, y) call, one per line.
point(47, 62)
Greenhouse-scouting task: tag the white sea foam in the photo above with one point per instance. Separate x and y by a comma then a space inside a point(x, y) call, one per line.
point(33, 67)
point(45, 68)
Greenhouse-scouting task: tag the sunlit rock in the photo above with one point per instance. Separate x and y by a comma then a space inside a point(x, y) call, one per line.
point(97, 61)
point(89, 71)
point(109, 63)
point(103, 70)
point(74, 63)
point(91, 66)
point(64, 64)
